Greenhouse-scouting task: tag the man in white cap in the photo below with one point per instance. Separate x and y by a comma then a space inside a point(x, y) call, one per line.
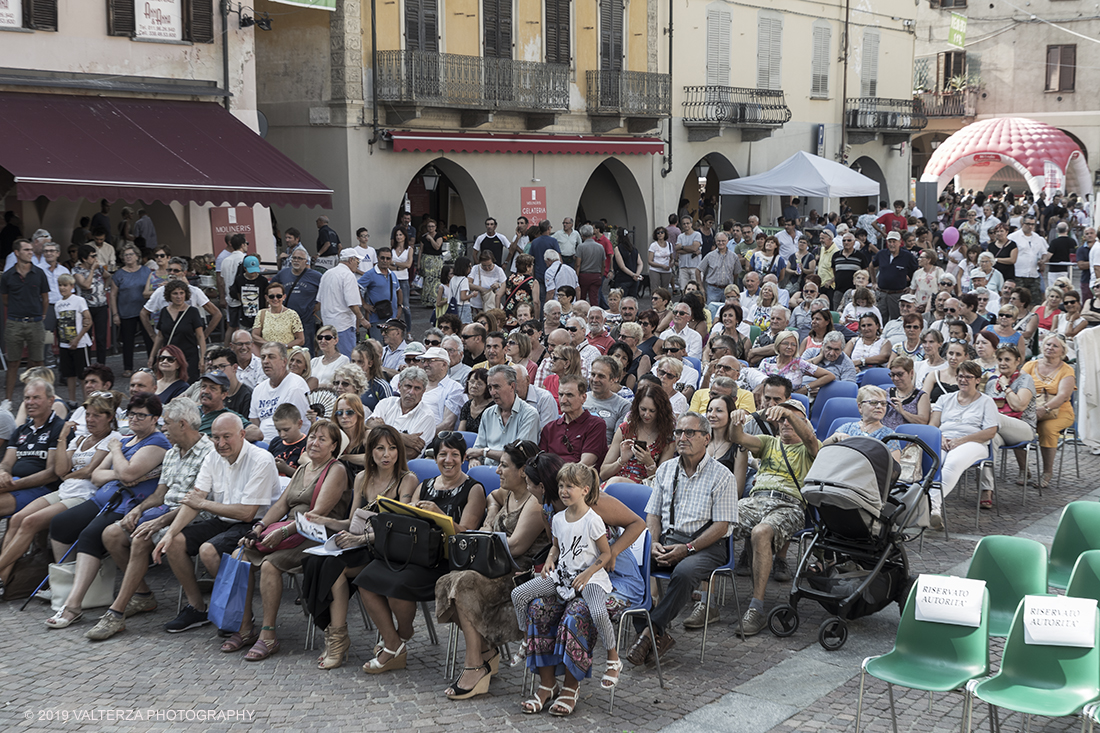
point(895, 329)
point(895, 267)
point(444, 394)
point(341, 301)
point(979, 279)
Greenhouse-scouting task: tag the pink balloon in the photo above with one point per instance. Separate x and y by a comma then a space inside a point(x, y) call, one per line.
point(950, 236)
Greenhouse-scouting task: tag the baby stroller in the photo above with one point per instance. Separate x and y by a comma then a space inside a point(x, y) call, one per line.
point(855, 563)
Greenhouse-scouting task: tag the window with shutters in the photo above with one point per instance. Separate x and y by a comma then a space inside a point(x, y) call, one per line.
point(948, 3)
point(40, 15)
point(719, 22)
point(821, 61)
point(422, 25)
point(497, 16)
point(611, 35)
point(950, 65)
point(868, 75)
point(557, 32)
point(200, 21)
point(769, 41)
point(1061, 68)
point(120, 17)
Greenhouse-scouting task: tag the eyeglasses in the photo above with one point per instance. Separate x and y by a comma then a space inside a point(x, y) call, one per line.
point(1004, 315)
point(512, 343)
point(875, 403)
point(158, 255)
point(964, 377)
point(665, 374)
point(344, 413)
point(274, 296)
point(570, 329)
point(912, 328)
point(558, 358)
point(689, 432)
point(325, 337)
point(166, 357)
point(433, 342)
point(950, 310)
point(897, 375)
point(139, 416)
point(946, 282)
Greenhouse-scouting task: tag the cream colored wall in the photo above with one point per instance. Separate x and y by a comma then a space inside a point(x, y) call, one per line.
point(529, 30)
point(636, 42)
point(460, 21)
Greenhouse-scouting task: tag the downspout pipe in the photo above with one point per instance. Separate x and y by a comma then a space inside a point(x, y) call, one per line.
point(225, 51)
point(668, 143)
point(373, 73)
point(844, 85)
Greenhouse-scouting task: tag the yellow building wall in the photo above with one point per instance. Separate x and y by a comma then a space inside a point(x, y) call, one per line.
point(529, 31)
point(586, 39)
point(461, 27)
point(636, 42)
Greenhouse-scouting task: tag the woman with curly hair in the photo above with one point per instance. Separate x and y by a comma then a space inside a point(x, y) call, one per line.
point(644, 440)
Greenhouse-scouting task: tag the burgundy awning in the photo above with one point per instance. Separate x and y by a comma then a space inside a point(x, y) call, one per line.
point(144, 149)
point(464, 142)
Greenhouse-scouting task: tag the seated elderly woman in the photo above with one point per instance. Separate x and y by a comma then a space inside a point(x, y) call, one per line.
point(560, 635)
point(872, 403)
point(324, 366)
point(390, 597)
point(75, 460)
point(126, 477)
point(967, 420)
point(320, 486)
point(350, 379)
point(908, 402)
point(1013, 391)
point(482, 607)
point(325, 581)
point(1054, 386)
point(668, 371)
point(786, 363)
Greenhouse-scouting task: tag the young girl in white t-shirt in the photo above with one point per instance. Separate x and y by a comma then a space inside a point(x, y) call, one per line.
point(576, 565)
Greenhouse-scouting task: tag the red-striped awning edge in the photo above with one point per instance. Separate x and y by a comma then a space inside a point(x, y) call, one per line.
point(524, 144)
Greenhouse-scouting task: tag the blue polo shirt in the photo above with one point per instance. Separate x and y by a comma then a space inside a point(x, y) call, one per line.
point(302, 299)
point(894, 273)
point(376, 287)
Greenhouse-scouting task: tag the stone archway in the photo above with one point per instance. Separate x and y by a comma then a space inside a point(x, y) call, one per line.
point(719, 169)
point(455, 198)
point(612, 192)
point(868, 167)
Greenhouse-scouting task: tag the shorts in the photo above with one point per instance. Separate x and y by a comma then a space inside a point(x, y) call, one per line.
point(26, 496)
point(235, 312)
point(784, 517)
point(222, 535)
point(54, 497)
point(20, 334)
point(72, 362)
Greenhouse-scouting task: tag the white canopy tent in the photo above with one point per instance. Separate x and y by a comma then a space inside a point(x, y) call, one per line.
point(803, 174)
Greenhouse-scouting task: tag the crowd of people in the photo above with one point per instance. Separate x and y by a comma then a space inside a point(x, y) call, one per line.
point(544, 351)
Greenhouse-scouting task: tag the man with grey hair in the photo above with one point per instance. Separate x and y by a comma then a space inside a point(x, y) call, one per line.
point(458, 371)
point(691, 507)
point(720, 267)
point(507, 419)
point(443, 393)
point(281, 386)
point(407, 411)
point(538, 398)
point(831, 357)
point(27, 471)
point(576, 328)
point(131, 539)
point(177, 270)
point(568, 240)
point(557, 273)
point(1062, 245)
point(765, 342)
point(250, 370)
point(597, 329)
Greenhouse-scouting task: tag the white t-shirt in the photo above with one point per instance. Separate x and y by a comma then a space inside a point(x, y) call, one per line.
point(323, 372)
point(447, 395)
point(1094, 262)
point(959, 421)
point(229, 268)
point(577, 548)
point(403, 258)
point(157, 301)
point(686, 240)
point(485, 280)
point(368, 258)
point(82, 488)
point(662, 256)
point(70, 320)
point(692, 340)
point(252, 373)
point(339, 291)
point(559, 274)
point(266, 399)
point(1031, 249)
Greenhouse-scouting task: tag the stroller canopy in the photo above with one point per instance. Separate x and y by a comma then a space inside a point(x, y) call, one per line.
point(856, 473)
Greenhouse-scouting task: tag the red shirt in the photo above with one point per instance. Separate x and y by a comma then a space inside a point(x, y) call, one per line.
point(608, 251)
point(893, 223)
point(586, 434)
point(603, 343)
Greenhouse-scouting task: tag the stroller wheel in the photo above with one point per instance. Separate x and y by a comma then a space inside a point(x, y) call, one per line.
point(783, 620)
point(832, 633)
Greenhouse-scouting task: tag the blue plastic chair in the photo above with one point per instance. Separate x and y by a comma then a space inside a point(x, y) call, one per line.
point(836, 407)
point(488, 477)
point(424, 468)
point(837, 423)
point(634, 496)
point(698, 365)
point(874, 375)
point(469, 437)
point(643, 608)
point(803, 399)
point(829, 391)
point(934, 439)
point(262, 444)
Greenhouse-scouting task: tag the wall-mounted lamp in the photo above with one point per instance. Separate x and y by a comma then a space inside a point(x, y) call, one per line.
point(263, 21)
point(431, 178)
point(704, 168)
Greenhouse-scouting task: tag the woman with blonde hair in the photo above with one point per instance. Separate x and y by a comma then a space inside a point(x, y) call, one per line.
point(324, 366)
point(873, 402)
point(46, 374)
point(1054, 386)
point(349, 415)
point(769, 296)
point(298, 362)
point(668, 370)
point(350, 379)
point(518, 349)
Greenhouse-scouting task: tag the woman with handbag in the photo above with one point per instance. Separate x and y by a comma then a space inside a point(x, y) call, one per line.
point(562, 633)
point(325, 580)
point(181, 325)
point(482, 606)
point(274, 547)
point(390, 596)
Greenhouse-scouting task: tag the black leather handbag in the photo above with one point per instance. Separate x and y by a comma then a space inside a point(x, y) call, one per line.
point(404, 541)
point(482, 552)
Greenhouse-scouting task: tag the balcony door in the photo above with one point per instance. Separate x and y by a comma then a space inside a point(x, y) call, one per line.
point(423, 66)
point(497, 22)
point(611, 53)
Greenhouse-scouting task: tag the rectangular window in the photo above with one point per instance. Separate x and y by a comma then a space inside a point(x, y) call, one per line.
point(557, 32)
point(868, 75)
point(769, 40)
point(1061, 68)
point(421, 26)
point(718, 47)
point(200, 21)
point(611, 35)
point(40, 15)
point(819, 66)
point(498, 28)
point(950, 70)
point(953, 4)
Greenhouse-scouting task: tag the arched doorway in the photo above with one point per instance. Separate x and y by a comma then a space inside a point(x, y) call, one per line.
point(701, 185)
point(446, 192)
point(922, 148)
point(868, 167)
point(612, 193)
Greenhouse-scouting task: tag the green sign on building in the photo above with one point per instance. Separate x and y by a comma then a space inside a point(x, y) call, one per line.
point(956, 34)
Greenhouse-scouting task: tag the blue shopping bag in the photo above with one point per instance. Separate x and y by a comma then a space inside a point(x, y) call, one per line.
point(227, 600)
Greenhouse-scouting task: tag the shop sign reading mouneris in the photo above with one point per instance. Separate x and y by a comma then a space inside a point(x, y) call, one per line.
point(11, 13)
point(159, 20)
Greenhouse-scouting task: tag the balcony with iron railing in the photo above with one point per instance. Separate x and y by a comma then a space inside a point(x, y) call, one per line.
point(756, 112)
point(641, 97)
point(958, 103)
point(874, 114)
point(426, 79)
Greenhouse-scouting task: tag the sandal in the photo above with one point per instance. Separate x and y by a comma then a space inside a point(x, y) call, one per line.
point(536, 703)
point(566, 702)
point(493, 662)
point(263, 648)
point(612, 666)
point(480, 687)
point(378, 647)
point(236, 642)
point(1044, 482)
point(987, 502)
point(398, 660)
point(58, 620)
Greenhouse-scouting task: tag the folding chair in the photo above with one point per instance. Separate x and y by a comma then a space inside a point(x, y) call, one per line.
point(642, 609)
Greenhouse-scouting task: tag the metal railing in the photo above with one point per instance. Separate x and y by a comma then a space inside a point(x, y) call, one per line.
point(634, 93)
point(738, 106)
point(452, 80)
point(873, 113)
point(962, 103)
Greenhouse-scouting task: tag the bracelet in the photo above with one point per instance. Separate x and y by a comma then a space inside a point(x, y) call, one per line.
point(286, 531)
point(261, 523)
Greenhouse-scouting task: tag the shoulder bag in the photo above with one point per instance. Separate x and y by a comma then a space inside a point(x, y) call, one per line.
point(295, 539)
point(402, 541)
point(483, 552)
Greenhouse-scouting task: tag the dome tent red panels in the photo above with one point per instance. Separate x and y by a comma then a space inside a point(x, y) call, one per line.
point(79, 147)
point(506, 143)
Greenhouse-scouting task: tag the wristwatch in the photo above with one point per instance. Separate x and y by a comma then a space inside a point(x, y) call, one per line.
point(691, 548)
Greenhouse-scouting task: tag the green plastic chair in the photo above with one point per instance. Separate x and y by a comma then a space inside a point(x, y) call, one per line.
point(754, 333)
point(836, 317)
point(1078, 531)
point(1012, 567)
point(1036, 679)
point(930, 656)
point(1084, 581)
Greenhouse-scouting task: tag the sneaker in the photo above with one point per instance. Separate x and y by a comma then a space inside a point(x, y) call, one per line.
point(140, 604)
point(753, 622)
point(701, 614)
point(744, 562)
point(110, 623)
point(189, 618)
point(935, 521)
point(781, 571)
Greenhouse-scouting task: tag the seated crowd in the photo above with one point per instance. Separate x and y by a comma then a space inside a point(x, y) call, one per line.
point(703, 405)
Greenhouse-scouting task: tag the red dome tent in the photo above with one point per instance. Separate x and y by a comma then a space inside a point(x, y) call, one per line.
point(1034, 149)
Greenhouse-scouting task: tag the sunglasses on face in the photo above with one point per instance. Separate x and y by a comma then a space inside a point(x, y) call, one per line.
point(326, 337)
point(558, 358)
point(274, 296)
point(341, 383)
point(175, 272)
point(432, 342)
point(166, 357)
point(570, 329)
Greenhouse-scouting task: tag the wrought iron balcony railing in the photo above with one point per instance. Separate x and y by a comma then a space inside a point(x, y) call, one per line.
point(737, 106)
point(629, 93)
point(447, 79)
point(962, 103)
point(886, 115)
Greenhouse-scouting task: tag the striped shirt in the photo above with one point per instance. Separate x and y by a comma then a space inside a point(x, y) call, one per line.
point(710, 494)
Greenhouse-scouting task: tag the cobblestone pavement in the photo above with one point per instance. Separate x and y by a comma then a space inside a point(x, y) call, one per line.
point(762, 684)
